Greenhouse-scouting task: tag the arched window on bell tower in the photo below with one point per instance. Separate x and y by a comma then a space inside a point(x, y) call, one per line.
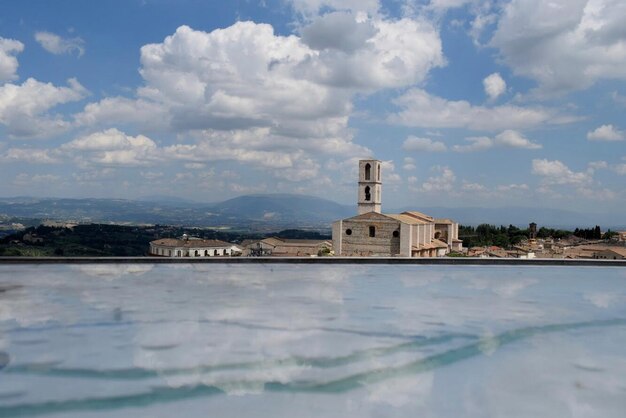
point(368, 172)
point(368, 195)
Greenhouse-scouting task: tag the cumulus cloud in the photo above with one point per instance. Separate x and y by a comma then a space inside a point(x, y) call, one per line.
point(556, 173)
point(340, 31)
point(619, 169)
point(413, 143)
point(409, 164)
point(244, 93)
point(24, 109)
point(473, 187)
point(494, 86)
point(476, 143)
point(420, 109)
point(145, 113)
point(563, 44)
point(310, 8)
point(30, 155)
point(506, 139)
point(58, 45)
point(398, 53)
point(512, 186)
point(606, 133)
point(113, 148)
point(442, 181)
point(8, 63)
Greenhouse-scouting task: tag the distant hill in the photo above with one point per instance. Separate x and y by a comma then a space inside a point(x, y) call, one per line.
point(286, 207)
point(522, 216)
point(249, 212)
point(274, 211)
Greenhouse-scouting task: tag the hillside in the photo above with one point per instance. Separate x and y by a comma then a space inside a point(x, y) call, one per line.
point(275, 211)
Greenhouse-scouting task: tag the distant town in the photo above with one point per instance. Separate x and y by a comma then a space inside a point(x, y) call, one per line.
point(369, 233)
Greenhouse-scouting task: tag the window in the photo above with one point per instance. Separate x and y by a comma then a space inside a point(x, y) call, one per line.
point(378, 173)
point(396, 234)
point(348, 231)
point(368, 169)
point(372, 231)
point(368, 196)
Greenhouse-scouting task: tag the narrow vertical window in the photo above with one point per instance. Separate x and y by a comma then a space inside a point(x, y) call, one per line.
point(378, 179)
point(368, 195)
point(368, 169)
point(372, 231)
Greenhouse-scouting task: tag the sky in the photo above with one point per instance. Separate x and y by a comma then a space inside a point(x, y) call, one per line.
point(467, 102)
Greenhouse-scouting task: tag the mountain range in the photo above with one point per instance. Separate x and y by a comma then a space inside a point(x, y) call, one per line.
point(271, 211)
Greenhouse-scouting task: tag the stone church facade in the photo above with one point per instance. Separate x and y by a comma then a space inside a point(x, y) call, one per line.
point(407, 234)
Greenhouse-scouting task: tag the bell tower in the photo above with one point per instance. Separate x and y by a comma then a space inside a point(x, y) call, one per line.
point(370, 186)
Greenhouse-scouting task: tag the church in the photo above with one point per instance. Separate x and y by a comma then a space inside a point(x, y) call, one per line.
point(376, 234)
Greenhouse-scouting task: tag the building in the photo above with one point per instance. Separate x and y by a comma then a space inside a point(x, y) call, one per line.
point(407, 234)
point(613, 253)
point(280, 247)
point(192, 247)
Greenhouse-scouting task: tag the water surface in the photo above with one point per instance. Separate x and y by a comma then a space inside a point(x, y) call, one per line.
point(312, 340)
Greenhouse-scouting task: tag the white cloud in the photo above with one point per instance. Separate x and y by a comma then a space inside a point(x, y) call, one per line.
point(619, 169)
point(598, 165)
point(58, 45)
point(24, 109)
point(339, 31)
point(413, 143)
point(389, 173)
point(513, 186)
point(309, 8)
point(473, 187)
point(8, 63)
point(556, 173)
point(477, 143)
point(246, 94)
point(443, 181)
point(113, 148)
point(409, 164)
point(507, 139)
point(30, 155)
point(420, 109)
point(563, 44)
point(399, 53)
point(145, 113)
point(606, 133)
point(494, 86)
point(514, 139)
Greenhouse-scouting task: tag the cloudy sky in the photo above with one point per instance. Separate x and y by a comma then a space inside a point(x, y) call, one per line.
point(468, 102)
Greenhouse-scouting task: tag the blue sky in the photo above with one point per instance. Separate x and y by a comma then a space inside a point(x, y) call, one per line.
point(468, 102)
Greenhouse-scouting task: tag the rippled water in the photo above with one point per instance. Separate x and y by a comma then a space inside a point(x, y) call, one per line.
point(312, 340)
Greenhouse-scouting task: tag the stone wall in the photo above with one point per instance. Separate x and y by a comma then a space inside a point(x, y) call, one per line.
point(359, 243)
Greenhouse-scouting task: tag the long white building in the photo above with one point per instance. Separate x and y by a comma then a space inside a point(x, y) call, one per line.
point(192, 247)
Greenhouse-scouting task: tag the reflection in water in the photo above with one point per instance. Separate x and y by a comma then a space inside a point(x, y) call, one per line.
point(313, 340)
point(4, 359)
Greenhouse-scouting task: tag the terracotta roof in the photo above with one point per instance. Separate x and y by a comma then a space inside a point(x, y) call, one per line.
point(191, 243)
point(439, 244)
point(618, 250)
point(444, 221)
point(407, 219)
point(419, 215)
